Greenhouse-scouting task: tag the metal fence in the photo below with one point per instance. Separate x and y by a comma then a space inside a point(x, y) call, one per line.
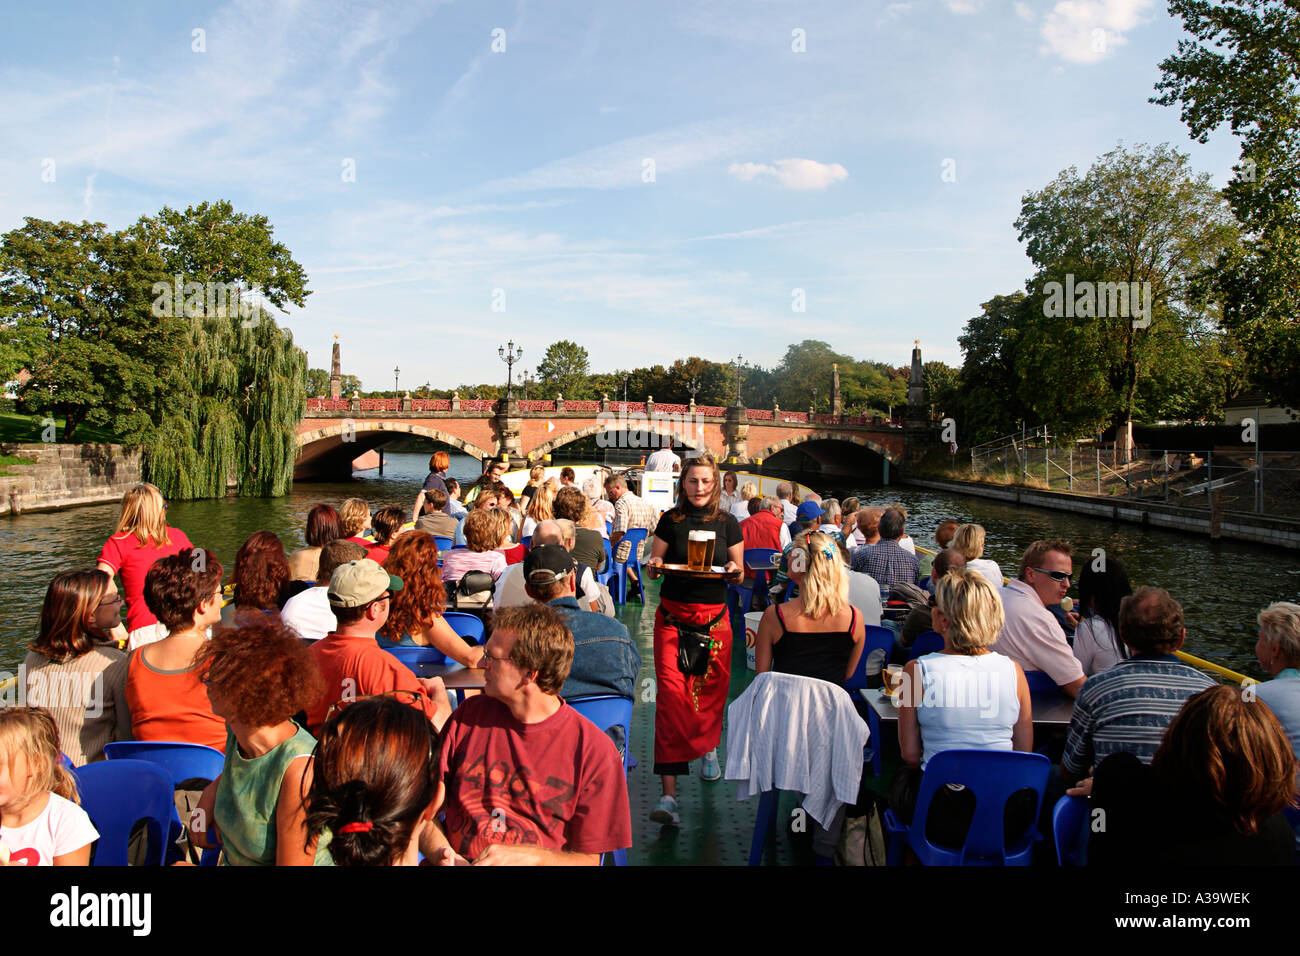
point(1241, 478)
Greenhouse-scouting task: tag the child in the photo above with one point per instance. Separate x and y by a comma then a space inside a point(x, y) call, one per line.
point(40, 822)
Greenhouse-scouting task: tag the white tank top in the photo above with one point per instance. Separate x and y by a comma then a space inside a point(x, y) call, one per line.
point(966, 703)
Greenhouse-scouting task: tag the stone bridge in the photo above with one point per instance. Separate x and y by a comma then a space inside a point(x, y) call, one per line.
point(335, 431)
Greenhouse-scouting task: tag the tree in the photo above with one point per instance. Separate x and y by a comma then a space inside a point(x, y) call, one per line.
point(75, 311)
point(990, 400)
point(1243, 68)
point(233, 408)
point(318, 384)
point(563, 370)
point(1122, 254)
point(942, 386)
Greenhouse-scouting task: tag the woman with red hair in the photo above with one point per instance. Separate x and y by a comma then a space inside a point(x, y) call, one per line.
point(262, 580)
point(415, 612)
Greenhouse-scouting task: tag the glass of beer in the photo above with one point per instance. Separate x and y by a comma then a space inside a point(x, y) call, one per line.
point(699, 549)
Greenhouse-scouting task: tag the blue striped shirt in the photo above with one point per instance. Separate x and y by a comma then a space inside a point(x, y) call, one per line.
point(1125, 709)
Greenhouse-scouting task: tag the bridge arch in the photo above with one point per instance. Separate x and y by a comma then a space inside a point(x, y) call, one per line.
point(849, 438)
point(679, 439)
point(322, 450)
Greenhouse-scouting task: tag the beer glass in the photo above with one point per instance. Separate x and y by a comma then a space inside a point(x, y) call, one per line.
point(699, 549)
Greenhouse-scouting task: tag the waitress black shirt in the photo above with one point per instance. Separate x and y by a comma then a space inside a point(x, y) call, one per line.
point(696, 590)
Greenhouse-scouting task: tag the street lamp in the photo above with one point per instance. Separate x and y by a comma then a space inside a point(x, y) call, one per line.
point(510, 355)
point(739, 360)
point(626, 379)
point(814, 398)
point(396, 372)
point(693, 386)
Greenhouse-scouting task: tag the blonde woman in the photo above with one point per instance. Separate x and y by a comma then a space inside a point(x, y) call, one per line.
point(355, 515)
point(141, 537)
point(536, 474)
point(740, 510)
point(965, 697)
point(819, 633)
point(969, 543)
point(540, 508)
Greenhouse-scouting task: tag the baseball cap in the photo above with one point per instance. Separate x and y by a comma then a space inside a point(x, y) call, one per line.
point(809, 510)
point(547, 563)
point(357, 583)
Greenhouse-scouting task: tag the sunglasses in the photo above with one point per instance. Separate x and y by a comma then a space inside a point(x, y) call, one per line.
point(1057, 576)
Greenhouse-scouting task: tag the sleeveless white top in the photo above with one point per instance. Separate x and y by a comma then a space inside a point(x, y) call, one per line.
point(966, 702)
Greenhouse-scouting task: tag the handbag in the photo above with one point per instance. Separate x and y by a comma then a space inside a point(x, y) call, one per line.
point(694, 642)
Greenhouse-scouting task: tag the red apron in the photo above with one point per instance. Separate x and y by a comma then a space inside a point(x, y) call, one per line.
point(688, 710)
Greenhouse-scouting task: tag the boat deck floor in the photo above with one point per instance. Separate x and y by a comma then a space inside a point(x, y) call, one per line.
point(716, 828)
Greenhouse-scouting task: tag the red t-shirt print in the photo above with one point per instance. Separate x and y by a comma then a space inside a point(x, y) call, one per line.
point(558, 784)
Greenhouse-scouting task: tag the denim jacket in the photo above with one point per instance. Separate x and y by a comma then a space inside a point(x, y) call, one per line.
point(605, 660)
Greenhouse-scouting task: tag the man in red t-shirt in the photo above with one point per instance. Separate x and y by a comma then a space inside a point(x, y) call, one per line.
point(529, 780)
point(350, 660)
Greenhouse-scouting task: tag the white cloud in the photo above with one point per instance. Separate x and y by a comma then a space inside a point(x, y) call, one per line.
point(965, 6)
point(88, 197)
point(1087, 31)
point(792, 173)
point(1024, 11)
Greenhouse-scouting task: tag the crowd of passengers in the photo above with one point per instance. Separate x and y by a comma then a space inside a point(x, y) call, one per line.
point(335, 753)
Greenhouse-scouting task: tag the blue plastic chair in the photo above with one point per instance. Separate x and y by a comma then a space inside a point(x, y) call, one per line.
point(183, 761)
point(741, 596)
point(118, 793)
point(527, 542)
point(466, 625)
point(878, 639)
point(992, 776)
point(636, 537)
point(1039, 681)
point(444, 544)
point(927, 642)
point(605, 711)
point(606, 576)
point(1070, 830)
point(418, 658)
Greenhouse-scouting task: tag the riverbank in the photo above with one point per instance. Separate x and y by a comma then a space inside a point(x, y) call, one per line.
point(1234, 525)
point(63, 476)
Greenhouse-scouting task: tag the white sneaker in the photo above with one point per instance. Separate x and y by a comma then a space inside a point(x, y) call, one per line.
point(666, 811)
point(710, 769)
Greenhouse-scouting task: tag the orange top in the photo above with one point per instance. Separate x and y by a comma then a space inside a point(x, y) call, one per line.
point(171, 705)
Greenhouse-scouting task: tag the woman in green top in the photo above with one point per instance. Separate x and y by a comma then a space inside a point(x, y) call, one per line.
point(374, 783)
point(259, 676)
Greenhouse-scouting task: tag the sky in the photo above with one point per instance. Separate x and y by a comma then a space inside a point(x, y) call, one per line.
point(652, 181)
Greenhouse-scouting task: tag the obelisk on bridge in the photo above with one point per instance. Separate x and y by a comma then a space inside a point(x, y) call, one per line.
point(336, 372)
point(837, 407)
point(916, 423)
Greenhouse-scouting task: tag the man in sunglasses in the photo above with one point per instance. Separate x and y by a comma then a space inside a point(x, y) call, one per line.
point(350, 660)
point(1031, 635)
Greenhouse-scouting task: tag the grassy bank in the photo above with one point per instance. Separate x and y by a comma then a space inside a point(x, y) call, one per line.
point(27, 428)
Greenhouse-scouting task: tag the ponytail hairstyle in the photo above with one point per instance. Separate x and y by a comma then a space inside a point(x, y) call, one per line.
point(374, 774)
point(31, 731)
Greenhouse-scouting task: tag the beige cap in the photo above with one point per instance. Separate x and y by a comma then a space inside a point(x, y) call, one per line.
point(357, 583)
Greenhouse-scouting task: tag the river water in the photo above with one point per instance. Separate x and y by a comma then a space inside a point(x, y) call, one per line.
point(1222, 586)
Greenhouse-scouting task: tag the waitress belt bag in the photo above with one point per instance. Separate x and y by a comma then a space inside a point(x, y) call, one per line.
point(693, 644)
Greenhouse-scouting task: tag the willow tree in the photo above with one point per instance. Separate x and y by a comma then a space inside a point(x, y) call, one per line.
point(231, 410)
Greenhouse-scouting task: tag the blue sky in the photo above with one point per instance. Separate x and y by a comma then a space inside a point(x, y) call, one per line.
point(528, 169)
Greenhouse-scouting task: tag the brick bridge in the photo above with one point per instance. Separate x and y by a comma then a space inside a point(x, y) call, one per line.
point(335, 431)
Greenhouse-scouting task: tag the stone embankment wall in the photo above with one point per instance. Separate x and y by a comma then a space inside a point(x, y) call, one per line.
point(1239, 526)
point(66, 475)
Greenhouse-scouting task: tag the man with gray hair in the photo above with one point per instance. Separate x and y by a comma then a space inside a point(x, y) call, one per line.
point(888, 562)
point(764, 529)
point(784, 492)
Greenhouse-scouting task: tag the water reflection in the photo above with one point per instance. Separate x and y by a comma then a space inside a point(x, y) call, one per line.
point(1221, 586)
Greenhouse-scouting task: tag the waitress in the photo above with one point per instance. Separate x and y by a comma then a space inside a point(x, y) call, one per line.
point(692, 634)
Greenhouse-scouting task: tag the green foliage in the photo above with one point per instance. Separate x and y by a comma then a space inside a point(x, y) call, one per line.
point(75, 310)
point(1137, 216)
point(1242, 68)
point(865, 387)
point(990, 400)
point(564, 371)
point(318, 384)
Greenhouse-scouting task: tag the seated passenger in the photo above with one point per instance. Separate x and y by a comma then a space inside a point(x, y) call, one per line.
point(415, 612)
point(1031, 636)
point(482, 537)
point(262, 581)
point(818, 633)
point(1096, 639)
point(1125, 708)
point(163, 688)
point(309, 613)
point(1278, 649)
point(1213, 794)
point(258, 675)
point(323, 526)
point(363, 811)
point(41, 823)
point(564, 802)
point(355, 515)
point(432, 514)
point(969, 542)
point(388, 527)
